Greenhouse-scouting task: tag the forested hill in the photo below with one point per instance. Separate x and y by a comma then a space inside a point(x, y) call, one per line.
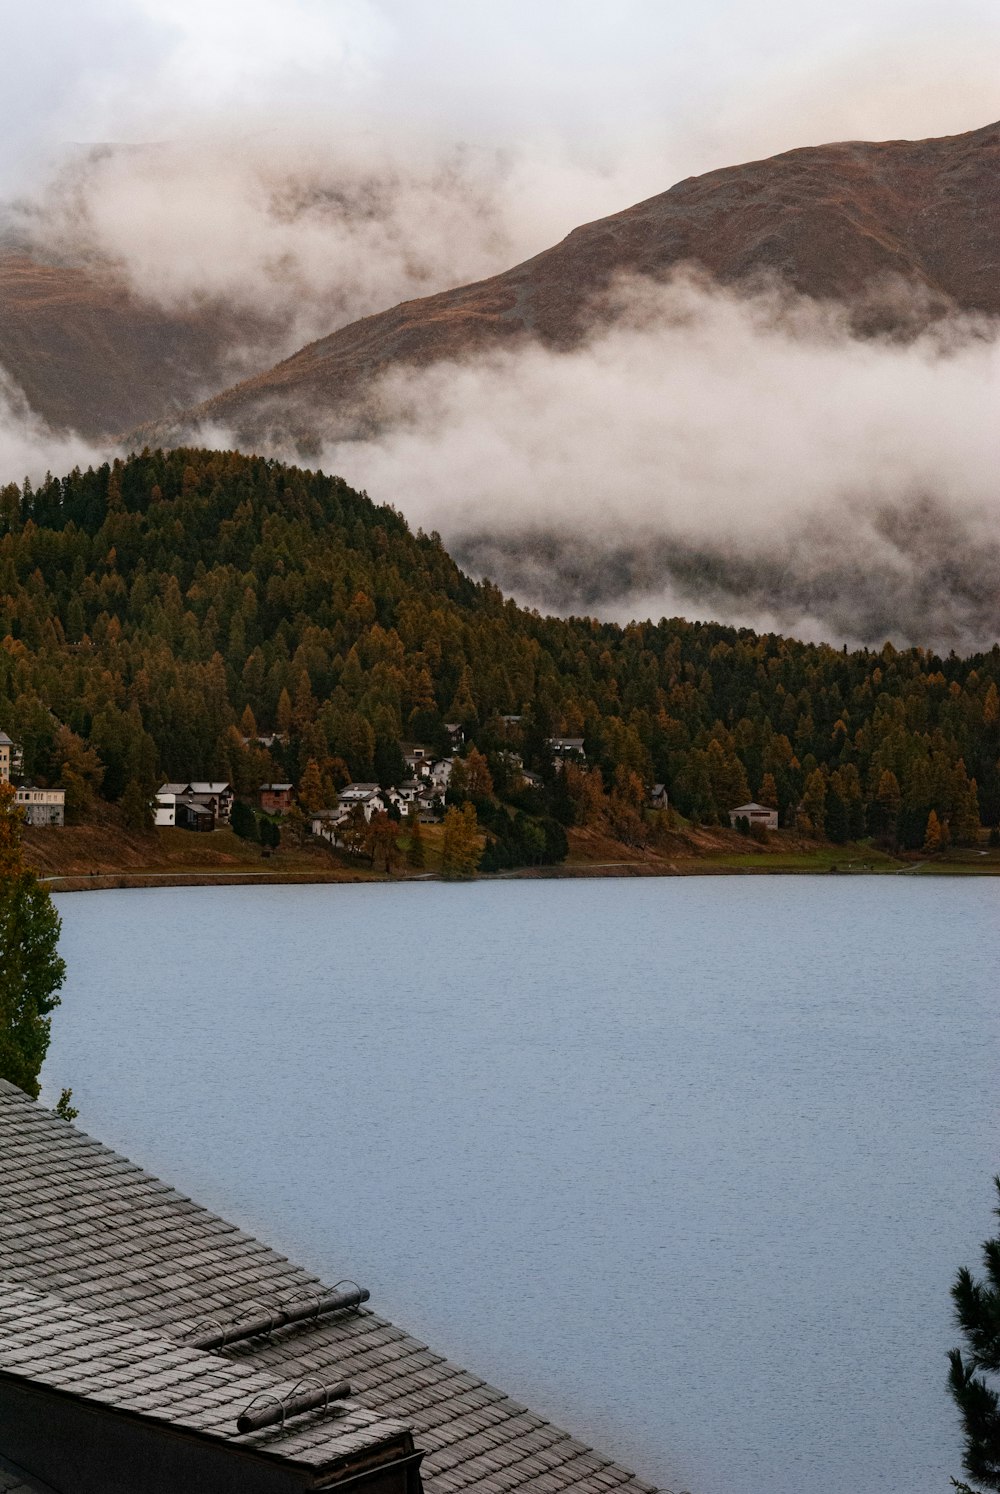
point(157, 614)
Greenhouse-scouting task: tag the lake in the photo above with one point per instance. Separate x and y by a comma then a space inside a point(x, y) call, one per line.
point(688, 1164)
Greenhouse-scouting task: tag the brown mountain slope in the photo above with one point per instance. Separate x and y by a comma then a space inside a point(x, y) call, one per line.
point(89, 355)
point(831, 221)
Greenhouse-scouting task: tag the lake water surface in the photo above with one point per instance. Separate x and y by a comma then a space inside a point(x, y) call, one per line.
point(686, 1164)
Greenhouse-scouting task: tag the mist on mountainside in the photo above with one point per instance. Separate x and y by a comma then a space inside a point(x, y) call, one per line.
point(303, 231)
point(705, 453)
point(748, 459)
point(740, 454)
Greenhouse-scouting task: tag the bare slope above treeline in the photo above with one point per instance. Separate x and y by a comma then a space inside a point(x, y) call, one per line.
point(900, 231)
point(86, 352)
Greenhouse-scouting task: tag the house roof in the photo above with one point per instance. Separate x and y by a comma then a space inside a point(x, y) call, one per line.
point(208, 788)
point(90, 1234)
point(275, 788)
point(54, 1343)
point(5, 740)
point(754, 808)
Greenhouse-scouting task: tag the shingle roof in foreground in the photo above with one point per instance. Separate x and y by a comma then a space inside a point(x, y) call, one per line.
point(87, 1232)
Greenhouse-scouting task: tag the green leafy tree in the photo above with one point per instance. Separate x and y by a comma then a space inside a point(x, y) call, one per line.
point(31, 971)
point(973, 1372)
point(64, 1106)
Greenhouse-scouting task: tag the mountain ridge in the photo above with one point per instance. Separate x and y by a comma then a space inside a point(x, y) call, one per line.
point(901, 232)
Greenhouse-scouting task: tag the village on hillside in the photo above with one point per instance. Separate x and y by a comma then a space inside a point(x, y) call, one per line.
point(364, 817)
point(447, 809)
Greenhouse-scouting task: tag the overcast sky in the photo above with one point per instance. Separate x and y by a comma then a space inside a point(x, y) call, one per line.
point(324, 159)
point(637, 94)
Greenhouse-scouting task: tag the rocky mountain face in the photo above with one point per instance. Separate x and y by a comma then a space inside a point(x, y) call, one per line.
point(899, 231)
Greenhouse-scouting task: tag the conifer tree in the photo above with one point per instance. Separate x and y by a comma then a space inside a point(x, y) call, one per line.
point(769, 791)
point(311, 795)
point(814, 803)
point(460, 848)
point(973, 1375)
point(934, 836)
point(965, 820)
point(31, 971)
point(415, 854)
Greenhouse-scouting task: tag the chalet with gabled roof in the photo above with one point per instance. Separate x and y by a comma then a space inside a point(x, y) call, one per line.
point(193, 806)
point(275, 798)
point(756, 814)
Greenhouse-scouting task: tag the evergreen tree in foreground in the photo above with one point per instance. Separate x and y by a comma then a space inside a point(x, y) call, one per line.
point(31, 971)
point(977, 1308)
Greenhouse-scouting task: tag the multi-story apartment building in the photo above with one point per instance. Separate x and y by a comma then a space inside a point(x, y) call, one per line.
point(40, 806)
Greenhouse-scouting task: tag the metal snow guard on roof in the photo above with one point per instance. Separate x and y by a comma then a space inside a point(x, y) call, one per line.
point(86, 1396)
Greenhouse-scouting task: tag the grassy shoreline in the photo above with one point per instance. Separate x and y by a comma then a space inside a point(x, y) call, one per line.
point(103, 854)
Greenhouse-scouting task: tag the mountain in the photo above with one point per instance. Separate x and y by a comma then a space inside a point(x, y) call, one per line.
point(89, 354)
point(850, 222)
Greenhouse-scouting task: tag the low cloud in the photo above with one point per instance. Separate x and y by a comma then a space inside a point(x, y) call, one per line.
point(28, 448)
point(297, 229)
point(749, 459)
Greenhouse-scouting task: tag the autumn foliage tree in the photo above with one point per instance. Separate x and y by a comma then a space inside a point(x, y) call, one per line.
point(460, 848)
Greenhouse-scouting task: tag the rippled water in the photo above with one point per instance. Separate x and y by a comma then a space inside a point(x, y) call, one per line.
point(686, 1164)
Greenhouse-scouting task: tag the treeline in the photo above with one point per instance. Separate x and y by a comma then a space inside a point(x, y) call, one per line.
point(160, 615)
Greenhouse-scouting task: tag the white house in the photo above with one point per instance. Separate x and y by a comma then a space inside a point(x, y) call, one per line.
point(757, 814)
point(658, 796)
point(217, 797)
point(440, 773)
point(326, 823)
point(368, 795)
point(165, 804)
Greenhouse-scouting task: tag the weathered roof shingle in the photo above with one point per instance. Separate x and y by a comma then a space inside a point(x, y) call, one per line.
point(87, 1233)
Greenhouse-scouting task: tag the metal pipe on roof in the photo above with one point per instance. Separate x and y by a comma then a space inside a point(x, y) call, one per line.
point(265, 1322)
point(276, 1411)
